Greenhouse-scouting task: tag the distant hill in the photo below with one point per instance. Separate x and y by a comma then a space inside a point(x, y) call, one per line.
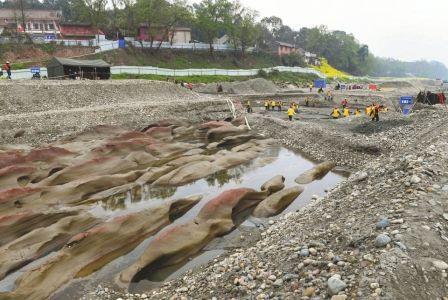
point(395, 68)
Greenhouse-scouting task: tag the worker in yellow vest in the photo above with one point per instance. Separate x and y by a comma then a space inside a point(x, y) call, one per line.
point(357, 112)
point(335, 113)
point(279, 105)
point(369, 110)
point(266, 104)
point(291, 112)
point(346, 112)
point(272, 104)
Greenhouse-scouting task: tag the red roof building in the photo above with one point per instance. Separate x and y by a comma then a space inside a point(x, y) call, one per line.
point(78, 31)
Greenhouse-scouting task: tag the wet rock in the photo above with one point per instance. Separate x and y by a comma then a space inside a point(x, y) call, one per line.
point(319, 171)
point(175, 244)
point(382, 240)
point(276, 203)
point(274, 184)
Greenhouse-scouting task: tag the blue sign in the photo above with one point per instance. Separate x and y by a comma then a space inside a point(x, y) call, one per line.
point(406, 100)
point(320, 83)
point(35, 70)
point(406, 104)
point(50, 37)
point(121, 44)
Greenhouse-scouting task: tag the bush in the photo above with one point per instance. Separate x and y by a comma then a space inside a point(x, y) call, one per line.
point(274, 72)
point(262, 73)
point(49, 47)
point(294, 59)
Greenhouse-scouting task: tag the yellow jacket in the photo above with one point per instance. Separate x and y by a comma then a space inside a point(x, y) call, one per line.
point(368, 110)
point(357, 112)
point(346, 112)
point(335, 113)
point(272, 103)
point(291, 111)
point(266, 103)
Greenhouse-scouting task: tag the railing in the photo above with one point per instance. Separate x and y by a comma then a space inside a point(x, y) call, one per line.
point(136, 70)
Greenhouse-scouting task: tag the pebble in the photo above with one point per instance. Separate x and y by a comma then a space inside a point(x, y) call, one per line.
point(335, 284)
point(272, 277)
point(339, 297)
point(304, 252)
point(278, 282)
point(382, 240)
point(440, 264)
point(383, 223)
point(415, 179)
point(309, 291)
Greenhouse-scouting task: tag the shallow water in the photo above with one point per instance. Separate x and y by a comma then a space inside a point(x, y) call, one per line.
point(274, 161)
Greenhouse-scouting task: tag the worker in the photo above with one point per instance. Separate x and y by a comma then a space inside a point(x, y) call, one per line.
point(307, 102)
point(266, 104)
point(335, 113)
point(346, 112)
point(295, 106)
point(279, 105)
point(273, 104)
point(311, 87)
point(357, 112)
point(369, 110)
point(7, 68)
point(344, 103)
point(291, 112)
point(248, 106)
point(375, 114)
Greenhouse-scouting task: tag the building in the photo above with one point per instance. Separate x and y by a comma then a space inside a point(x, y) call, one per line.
point(180, 35)
point(67, 68)
point(78, 31)
point(37, 21)
point(224, 40)
point(281, 48)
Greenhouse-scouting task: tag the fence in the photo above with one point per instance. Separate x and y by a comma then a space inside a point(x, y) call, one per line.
point(26, 73)
point(107, 45)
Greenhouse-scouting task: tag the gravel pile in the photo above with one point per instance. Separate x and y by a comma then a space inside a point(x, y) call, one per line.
point(252, 86)
point(43, 111)
point(381, 234)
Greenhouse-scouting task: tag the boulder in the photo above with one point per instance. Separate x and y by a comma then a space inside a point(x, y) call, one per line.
point(89, 251)
point(177, 243)
point(318, 172)
point(274, 184)
point(221, 132)
point(277, 202)
point(187, 173)
point(160, 133)
point(41, 241)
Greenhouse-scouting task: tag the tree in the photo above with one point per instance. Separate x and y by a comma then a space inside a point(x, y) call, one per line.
point(212, 17)
point(243, 32)
point(152, 13)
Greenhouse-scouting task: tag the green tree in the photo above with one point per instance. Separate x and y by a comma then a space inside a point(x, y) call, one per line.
point(243, 32)
point(212, 18)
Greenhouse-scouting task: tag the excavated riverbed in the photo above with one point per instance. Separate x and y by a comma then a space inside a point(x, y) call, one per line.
point(133, 209)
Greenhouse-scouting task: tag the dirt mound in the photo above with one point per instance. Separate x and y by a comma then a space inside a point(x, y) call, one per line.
point(396, 84)
point(252, 86)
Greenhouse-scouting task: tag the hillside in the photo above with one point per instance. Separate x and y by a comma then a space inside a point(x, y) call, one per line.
point(186, 60)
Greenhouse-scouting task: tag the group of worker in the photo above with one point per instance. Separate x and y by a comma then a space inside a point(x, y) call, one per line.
point(372, 111)
point(272, 105)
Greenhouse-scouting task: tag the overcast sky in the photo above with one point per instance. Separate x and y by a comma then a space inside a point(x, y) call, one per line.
point(403, 29)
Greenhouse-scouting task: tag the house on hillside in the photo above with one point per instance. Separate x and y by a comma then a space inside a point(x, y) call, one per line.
point(180, 35)
point(310, 58)
point(281, 48)
point(38, 22)
point(78, 31)
point(224, 40)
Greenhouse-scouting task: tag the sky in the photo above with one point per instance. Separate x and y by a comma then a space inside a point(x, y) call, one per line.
point(403, 29)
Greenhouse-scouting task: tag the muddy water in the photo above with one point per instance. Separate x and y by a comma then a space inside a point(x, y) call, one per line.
point(274, 161)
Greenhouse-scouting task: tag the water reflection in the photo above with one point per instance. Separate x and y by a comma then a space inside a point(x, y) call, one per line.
point(274, 161)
